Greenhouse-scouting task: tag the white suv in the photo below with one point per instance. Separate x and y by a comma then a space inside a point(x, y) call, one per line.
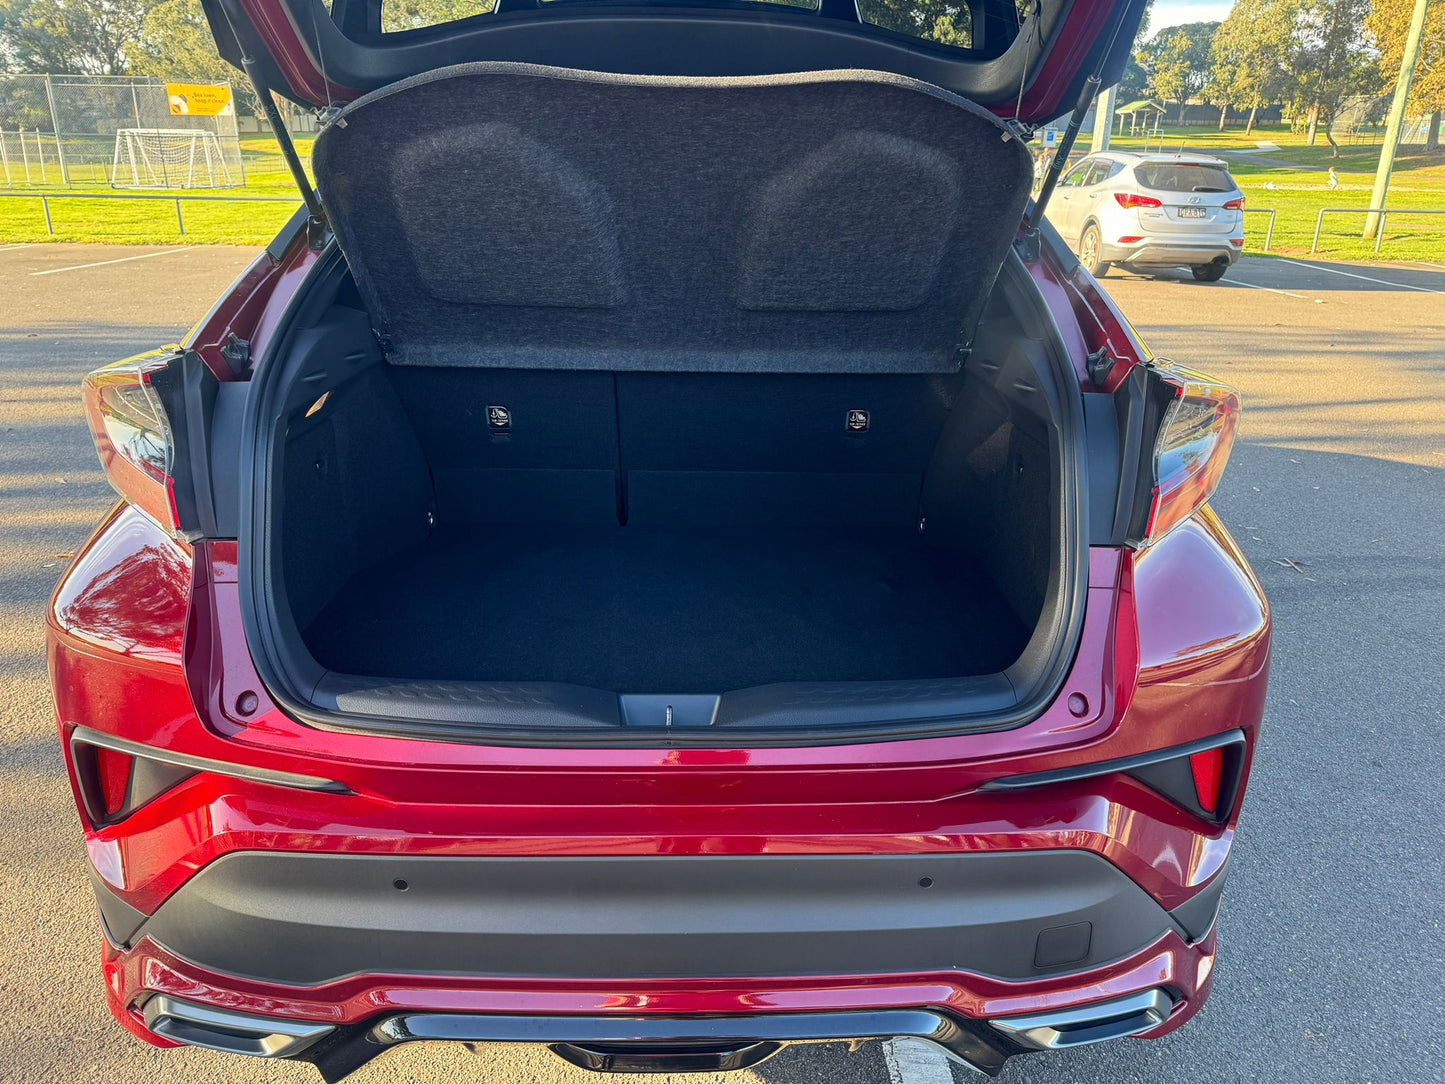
point(1151, 210)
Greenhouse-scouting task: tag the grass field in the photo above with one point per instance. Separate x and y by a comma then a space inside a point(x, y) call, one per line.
point(153, 221)
point(1291, 180)
point(1294, 181)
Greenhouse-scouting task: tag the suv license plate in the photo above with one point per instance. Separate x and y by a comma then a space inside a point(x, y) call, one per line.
point(1191, 212)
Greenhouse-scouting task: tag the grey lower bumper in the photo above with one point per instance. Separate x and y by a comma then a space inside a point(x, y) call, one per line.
point(307, 919)
point(1170, 254)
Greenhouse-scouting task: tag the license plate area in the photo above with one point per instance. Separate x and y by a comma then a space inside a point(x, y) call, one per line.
point(1191, 212)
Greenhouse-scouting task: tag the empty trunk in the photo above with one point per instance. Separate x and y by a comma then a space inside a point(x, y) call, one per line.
point(709, 417)
point(634, 544)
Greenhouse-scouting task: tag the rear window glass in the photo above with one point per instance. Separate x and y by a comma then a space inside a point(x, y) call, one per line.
point(398, 15)
point(1174, 177)
point(950, 22)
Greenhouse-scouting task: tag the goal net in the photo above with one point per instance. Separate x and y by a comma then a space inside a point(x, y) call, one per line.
point(169, 158)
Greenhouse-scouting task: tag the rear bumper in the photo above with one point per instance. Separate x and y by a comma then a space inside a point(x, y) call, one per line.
point(335, 959)
point(677, 1025)
point(301, 919)
point(660, 1044)
point(1165, 252)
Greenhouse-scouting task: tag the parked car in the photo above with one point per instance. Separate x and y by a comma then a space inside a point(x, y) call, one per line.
point(662, 561)
point(1149, 211)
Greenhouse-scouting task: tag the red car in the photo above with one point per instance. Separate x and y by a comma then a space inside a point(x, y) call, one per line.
point(667, 557)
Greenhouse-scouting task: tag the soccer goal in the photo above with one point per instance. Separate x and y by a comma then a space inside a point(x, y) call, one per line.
point(169, 158)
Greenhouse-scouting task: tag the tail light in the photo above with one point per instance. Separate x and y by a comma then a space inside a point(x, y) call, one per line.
point(1127, 200)
point(1191, 450)
point(133, 434)
point(1235, 204)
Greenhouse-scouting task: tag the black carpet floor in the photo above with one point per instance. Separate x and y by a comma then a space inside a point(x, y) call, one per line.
point(639, 610)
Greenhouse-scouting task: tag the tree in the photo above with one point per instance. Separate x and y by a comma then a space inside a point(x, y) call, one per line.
point(413, 14)
point(88, 37)
point(946, 21)
point(1177, 60)
point(175, 44)
point(1253, 57)
point(1335, 60)
point(1387, 23)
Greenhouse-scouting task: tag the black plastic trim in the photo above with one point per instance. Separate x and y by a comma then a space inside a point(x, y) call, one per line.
point(307, 919)
point(1109, 767)
point(1197, 917)
point(83, 735)
point(966, 1040)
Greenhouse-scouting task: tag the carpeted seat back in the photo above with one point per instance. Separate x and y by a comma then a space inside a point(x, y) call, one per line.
point(512, 216)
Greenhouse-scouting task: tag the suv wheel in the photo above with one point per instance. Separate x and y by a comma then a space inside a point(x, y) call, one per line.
point(1210, 272)
point(1089, 247)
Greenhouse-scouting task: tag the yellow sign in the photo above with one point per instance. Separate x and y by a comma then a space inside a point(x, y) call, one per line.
point(199, 99)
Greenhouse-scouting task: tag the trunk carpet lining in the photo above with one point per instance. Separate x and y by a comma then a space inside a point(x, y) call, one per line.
point(639, 610)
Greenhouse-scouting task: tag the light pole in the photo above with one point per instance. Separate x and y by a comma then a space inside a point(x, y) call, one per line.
point(1103, 120)
point(1397, 117)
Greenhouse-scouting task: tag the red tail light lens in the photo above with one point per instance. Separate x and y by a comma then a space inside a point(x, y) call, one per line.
point(1192, 449)
point(1235, 204)
point(1127, 200)
point(112, 774)
point(1208, 771)
point(133, 435)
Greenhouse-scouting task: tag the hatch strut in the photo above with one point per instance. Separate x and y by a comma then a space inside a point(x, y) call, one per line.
point(1030, 241)
point(315, 214)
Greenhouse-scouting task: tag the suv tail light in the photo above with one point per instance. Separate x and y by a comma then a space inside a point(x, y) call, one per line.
point(133, 434)
point(1235, 204)
point(1192, 448)
point(1127, 200)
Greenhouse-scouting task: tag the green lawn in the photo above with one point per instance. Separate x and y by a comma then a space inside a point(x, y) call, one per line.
point(1297, 174)
point(153, 221)
point(1297, 194)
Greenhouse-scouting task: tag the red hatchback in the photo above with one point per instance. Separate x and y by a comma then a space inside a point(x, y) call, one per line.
point(666, 557)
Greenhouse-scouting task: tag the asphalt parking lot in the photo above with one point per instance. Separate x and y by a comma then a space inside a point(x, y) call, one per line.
point(1331, 948)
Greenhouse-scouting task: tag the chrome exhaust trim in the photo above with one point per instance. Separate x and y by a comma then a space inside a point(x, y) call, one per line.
point(230, 1032)
point(1087, 1024)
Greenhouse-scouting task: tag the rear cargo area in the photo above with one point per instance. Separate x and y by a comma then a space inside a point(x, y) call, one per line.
point(653, 610)
point(720, 396)
point(668, 533)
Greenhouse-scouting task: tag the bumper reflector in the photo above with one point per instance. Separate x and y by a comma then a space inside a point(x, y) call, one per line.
point(1208, 771)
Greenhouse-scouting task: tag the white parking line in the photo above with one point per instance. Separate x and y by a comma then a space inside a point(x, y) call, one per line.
point(102, 263)
point(12, 248)
point(1366, 278)
point(1271, 289)
point(915, 1062)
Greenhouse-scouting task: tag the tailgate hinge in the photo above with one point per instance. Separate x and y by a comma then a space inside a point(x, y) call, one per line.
point(1100, 364)
point(237, 352)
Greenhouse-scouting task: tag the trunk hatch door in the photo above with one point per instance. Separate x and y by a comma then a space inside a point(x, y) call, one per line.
point(1026, 60)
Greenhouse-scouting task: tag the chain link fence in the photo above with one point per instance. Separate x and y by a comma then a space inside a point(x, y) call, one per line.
point(121, 131)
